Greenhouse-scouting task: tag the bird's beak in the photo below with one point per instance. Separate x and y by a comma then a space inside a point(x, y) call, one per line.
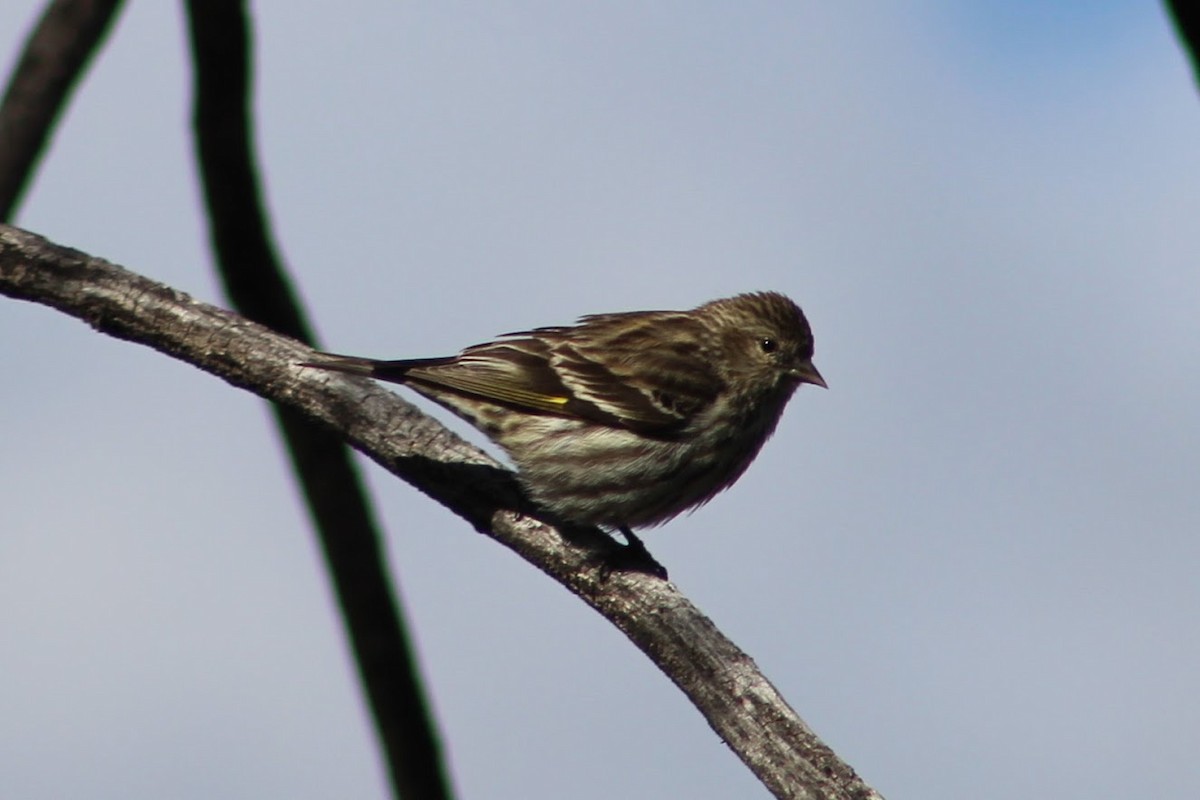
point(807, 373)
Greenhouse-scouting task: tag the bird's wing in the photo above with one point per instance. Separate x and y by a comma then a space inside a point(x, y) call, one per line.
point(613, 375)
point(512, 373)
point(650, 369)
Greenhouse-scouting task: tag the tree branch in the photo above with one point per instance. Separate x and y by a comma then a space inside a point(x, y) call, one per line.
point(257, 283)
point(55, 55)
point(1187, 26)
point(722, 681)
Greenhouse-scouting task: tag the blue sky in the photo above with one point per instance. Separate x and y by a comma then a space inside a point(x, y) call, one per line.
point(970, 565)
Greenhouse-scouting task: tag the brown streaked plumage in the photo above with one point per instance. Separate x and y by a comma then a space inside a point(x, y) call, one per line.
point(625, 420)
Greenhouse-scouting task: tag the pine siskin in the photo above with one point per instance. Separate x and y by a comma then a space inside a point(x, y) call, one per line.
point(625, 420)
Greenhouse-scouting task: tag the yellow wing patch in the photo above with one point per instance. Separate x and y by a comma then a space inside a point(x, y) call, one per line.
point(492, 388)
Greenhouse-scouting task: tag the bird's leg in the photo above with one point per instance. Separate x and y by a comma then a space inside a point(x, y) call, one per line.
point(632, 539)
point(633, 557)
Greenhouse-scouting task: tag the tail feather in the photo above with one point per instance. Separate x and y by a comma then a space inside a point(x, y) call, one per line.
point(394, 371)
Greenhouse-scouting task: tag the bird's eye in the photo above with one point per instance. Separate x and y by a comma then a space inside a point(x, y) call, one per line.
point(768, 344)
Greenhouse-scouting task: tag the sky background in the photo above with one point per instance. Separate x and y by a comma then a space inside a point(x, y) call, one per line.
point(971, 565)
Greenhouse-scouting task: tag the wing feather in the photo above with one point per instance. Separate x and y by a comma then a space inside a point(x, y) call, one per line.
point(646, 371)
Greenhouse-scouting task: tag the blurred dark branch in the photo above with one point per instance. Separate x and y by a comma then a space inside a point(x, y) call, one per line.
point(1187, 24)
point(222, 125)
point(257, 284)
point(55, 57)
point(739, 703)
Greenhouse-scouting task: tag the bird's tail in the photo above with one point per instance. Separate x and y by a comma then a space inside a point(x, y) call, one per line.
point(394, 371)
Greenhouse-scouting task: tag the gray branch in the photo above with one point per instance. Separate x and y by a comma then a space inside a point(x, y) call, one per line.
point(726, 686)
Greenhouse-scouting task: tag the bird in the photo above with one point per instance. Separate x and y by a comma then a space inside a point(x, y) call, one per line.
point(623, 420)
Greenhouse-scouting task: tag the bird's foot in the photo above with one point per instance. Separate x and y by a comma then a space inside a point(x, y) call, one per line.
point(631, 557)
